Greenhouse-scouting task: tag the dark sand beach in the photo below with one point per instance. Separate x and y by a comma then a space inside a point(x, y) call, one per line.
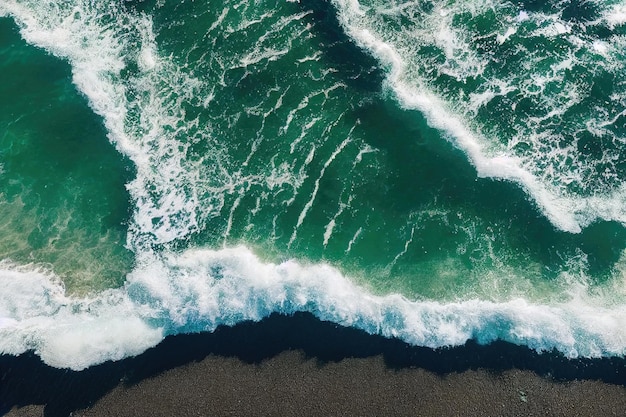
point(300, 366)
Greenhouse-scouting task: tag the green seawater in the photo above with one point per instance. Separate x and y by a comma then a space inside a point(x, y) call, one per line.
point(435, 171)
point(301, 150)
point(449, 151)
point(347, 176)
point(62, 197)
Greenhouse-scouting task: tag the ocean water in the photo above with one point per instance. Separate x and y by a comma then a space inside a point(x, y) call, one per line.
point(435, 171)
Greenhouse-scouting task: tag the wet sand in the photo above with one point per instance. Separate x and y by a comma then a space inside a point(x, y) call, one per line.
point(299, 366)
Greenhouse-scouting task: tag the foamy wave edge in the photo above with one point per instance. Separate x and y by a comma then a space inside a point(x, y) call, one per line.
point(569, 213)
point(200, 290)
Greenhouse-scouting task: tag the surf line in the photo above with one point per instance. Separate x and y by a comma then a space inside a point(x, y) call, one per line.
point(565, 213)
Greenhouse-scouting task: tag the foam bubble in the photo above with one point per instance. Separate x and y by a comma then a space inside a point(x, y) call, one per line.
point(522, 16)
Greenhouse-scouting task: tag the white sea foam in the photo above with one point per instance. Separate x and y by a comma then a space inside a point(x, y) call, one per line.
point(616, 15)
point(199, 290)
point(35, 314)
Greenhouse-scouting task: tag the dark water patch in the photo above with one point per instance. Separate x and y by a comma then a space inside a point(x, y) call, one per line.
point(421, 163)
point(421, 167)
point(570, 10)
point(580, 11)
point(604, 243)
point(357, 68)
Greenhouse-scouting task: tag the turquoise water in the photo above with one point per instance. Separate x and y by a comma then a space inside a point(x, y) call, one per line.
point(433, 171)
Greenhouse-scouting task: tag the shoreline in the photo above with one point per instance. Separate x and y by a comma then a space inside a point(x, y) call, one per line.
point(299, 365)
